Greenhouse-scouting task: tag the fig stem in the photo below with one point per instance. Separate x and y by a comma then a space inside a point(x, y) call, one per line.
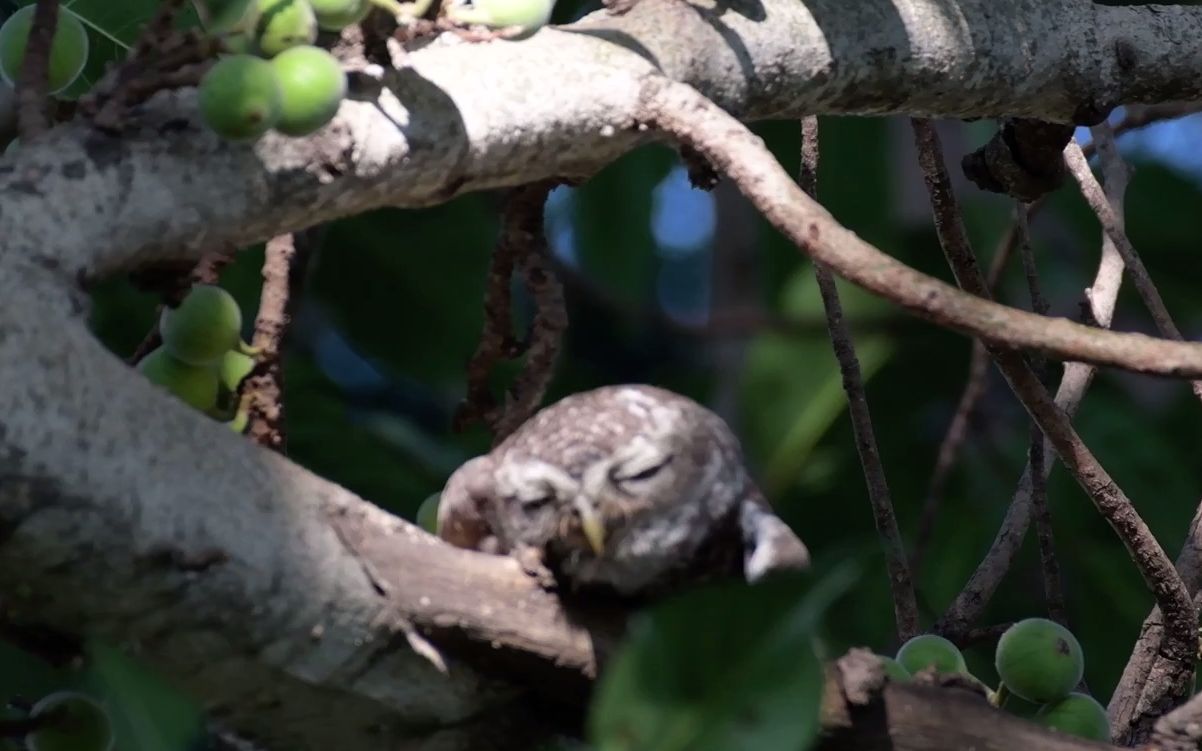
point(1001, 695)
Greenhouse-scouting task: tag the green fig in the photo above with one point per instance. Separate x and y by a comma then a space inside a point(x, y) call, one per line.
point(427, 513)
point(1077, 714)
point(1020, 707)
point(68, 50)
point(894, 669)
point(234, 22)
point(284, 24)
point(930, 650)
point(336, 15)
point(1039, 660)
point(234, 368)
point(204, 327)
point(195, 385)
point(312, 85)
point(526, 16)
point(240, 97)
point(72, 722)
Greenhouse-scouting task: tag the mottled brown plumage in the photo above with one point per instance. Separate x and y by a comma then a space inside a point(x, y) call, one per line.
point(628, 488)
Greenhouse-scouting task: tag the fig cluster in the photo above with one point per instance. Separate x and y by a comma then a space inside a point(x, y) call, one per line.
point(202, 359)
point(272, 76)
point(1039, 663)
point(68, 48)
point(64, 721)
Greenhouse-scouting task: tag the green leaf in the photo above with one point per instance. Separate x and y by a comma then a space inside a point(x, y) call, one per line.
point(722, 668)
point(113, 27)
point(143, 707)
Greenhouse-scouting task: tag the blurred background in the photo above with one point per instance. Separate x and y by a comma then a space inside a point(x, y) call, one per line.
point(694, 292)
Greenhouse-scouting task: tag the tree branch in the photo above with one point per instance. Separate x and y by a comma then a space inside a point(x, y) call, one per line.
point(1053, 591)
point(1112, 225)
point(34, 79)
point(285, 262)
point(905, 606)
point(957, 429)
point(1180, 644)
point(1098, 308)
point(458, 117)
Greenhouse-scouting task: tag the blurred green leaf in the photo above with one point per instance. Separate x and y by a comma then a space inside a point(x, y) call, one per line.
point(723, 668)
point(113, 27)
point(146, 713)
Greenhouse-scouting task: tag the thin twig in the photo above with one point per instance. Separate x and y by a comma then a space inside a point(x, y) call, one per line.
point(985, 635)
point(262, 395)
point(34, 80)
point(522, 246)
point(1142, 115)
point(905, 607)
point(1112, 225)
point(667, 105)
point(957, 430)
point(1053, 591)
point(1098, 309)
point(545, 340)
point(1150, 559)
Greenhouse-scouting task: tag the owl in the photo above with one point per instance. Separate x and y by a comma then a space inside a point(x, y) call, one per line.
point(631, 489)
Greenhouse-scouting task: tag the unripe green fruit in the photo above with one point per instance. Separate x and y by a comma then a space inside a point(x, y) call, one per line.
point(312, 85)
point(427, 514)
point(206, 325)
point(336, 15)
point(74, 722)
point(195, 385)
point(68, 50)
point(527, 15)
point(234, 368)
point(930, 650)
point(234, 22)
point(1039, 660)
point(893, 669)
point(284, 24)
point(1079, 715)
point(240, 97)
point(1020, 707)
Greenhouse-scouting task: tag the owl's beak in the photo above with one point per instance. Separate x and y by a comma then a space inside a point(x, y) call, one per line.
point(591, 524)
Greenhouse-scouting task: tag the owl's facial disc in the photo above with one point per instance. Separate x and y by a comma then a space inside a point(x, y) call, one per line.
point(591, 523)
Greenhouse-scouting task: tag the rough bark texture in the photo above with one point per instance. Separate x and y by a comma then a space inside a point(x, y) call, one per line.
point(299, 614)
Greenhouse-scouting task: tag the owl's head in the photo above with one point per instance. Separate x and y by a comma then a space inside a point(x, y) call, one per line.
point(622, 472)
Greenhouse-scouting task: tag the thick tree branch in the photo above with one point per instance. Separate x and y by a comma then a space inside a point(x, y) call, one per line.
point(280, 600)
point(459, 117)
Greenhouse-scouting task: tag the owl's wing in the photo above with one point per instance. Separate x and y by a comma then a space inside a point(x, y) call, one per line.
point(768, 543)
point(461, 520)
